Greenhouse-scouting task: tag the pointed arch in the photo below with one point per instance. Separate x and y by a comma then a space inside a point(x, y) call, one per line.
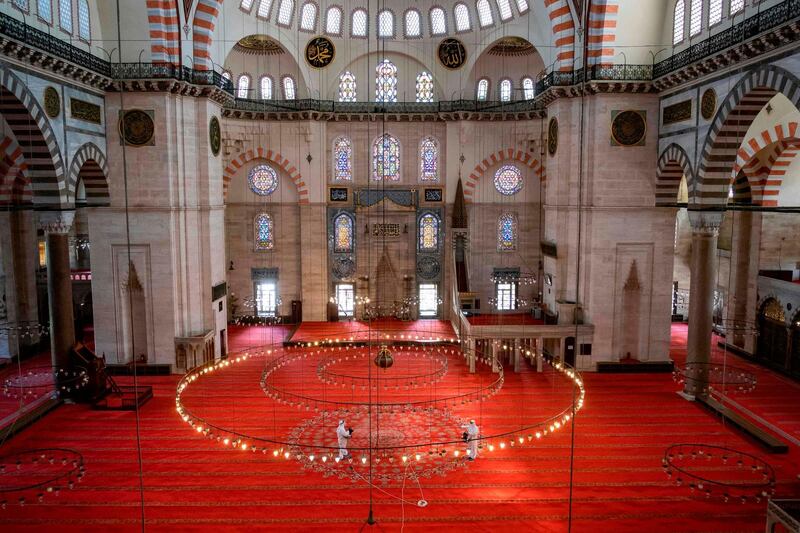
point(15, 187)
point(507, 154)
point(563, 33)
point(673, 164)
point(162, 16)
point(89, 165)
point(203, 24)
point(275, 158)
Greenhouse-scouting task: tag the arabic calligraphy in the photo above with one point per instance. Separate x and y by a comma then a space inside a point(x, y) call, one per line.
point(452, 54)
point(320, 52)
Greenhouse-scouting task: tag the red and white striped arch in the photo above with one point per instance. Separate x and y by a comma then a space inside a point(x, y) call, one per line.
point(15, 187)
point(602, 32)
point(273, 157)
point(164, 21)
point(766, 171)
point(507, 154)
point(563, 33)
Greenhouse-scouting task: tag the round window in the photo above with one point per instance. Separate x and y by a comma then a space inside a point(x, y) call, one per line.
point(263, 180)
point(508, 180)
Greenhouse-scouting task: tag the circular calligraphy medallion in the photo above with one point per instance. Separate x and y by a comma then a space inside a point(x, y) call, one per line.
point(428, 267)
point(344, 267)
point(136, 127)
point(320, 52)
point(452, 54)
point(708, 104)
point(52, 102)
point(628, 128)
point(214, 136)
point(552, 136)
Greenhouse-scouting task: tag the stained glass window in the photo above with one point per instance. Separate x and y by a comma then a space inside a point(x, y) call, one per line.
point(428, 159)
point(285, 12)
point(696, 18)
point(505, 91)
point(264, 232)
point(84, 25)
point(358, 23)
point(342, 159)
point(461, 13)
point(428, 232)
point(424, 87)
point(438, 21)
point(289, 92)
point(333, 21)
point(263, 180)
point(386, 82)
point(385, 23)
point(264, 8)
point(528, 88)
point(714, 12)
point(46, 10)
point(522, 6)
point(386, 158)
point(308, 16)
point(65, 15)
point(266, 87)
point(413, 25)
point(504, 7)
point(484, 13)
point(243, 86)
point(482, 92)
point(507, 232)
point(508, 180)
point(343, 234)
point(678, 22)
point(736, 6)
point(347, 87)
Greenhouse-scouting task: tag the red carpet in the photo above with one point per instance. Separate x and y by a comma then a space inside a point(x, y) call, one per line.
point(191, 484)
point(358, 330)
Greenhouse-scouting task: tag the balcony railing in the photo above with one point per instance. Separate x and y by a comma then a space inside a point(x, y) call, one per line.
point(330, 106)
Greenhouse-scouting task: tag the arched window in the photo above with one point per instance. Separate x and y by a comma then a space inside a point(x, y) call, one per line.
point(505, 90)
point(65, 15)
point(484, 13)
point(358, 23)
point(264, 232)
point(243, 86)
point(508, 180)
point(84, 23)
point(386, 158)
point(308, 17)
point(504, 7)
point(347, 87)
point(736, 6)
point(385, 23)
point(333, 21)
point(714, 12)
point(438, 21)
point(428, 232)
point(264, 8)
point(482, 91)
point(461, 13)
point(678, 22)
point(263, 180)
point(528, 88)
point(413, 25)
point(522, 6)
point(343, 234)
point(507, 232)
point(245, 5)
point(285, 13)
point(696, 18)
point(289, 91)
point(424, 87)
point(266, 88)
point(342, 159)
point(428, 159)
point(46, 10)
point(386, 82)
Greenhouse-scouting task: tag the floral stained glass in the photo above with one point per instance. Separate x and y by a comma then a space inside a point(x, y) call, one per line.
point(386, 82)
point(507, 232)
point(343, 234)
point(386, 158)
point(347, 87)
point(424, 87)
point(264, 232)
point(428, 232)
point(342, 159)
point(508, 180)
point(263, 180)
point(428, 159)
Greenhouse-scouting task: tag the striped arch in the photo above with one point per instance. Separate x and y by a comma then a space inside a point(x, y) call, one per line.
point(162, 15)
point(36, 139)
point(672, 166)
point(733, 119)
point(602, 32)
point(205, 20)
point(273, 157)
point(778, 171)
point(507, 154)
point(758, 156)
point(15, 188)
point(563, 33)
point(90, 167)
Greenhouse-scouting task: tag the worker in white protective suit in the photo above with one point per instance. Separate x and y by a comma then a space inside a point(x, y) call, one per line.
point(471, 437)
point(342, 436)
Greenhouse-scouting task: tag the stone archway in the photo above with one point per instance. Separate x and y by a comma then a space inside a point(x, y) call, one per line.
point(673, 164)
point(90, 167)
point(507, 154)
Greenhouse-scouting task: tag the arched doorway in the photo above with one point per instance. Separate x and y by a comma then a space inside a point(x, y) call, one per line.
point(772, 334)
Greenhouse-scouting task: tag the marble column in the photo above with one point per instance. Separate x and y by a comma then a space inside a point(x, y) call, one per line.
point(56, 226)
point(705, 230)
point(539, 354)
point(471, 355)
point(517, 350)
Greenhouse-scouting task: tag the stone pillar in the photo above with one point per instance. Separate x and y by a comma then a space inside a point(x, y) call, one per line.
point(314, 266)
point(539, 354)
point(562, 343)
point(517, 350)
point(705, 230)
point(471, 355)
point(744, 270)
point(56, 226)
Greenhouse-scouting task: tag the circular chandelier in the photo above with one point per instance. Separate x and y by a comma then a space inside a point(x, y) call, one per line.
point(715, 377)
point(38, 472)
point(521, 278)
point(22, 329)
point(40, 381)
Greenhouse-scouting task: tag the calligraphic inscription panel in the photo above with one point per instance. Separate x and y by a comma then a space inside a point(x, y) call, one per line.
point(452, 54)
point(677, 112)
point(320, 52)
point(386, 230)
point(433, 195)
point(85, 111)
point(338, 194)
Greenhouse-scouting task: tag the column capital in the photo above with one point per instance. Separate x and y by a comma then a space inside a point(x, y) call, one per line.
point(56, 221)
point(707, 222)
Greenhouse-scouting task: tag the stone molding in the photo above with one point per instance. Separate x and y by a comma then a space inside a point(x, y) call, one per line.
point(705, 222)
point(56, 221)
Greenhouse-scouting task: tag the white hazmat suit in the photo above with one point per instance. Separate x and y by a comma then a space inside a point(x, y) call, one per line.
point(472, 440)
point(342, 436)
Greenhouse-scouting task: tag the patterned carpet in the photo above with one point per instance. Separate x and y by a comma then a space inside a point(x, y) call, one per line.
point(192, 484)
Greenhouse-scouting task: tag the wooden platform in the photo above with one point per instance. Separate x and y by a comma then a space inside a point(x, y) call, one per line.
point(128, 399)
point(766, 439)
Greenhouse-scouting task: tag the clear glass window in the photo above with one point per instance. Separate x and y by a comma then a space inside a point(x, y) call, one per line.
point(266, 298)
point(438, 21)
point(385, 23)
point(264, 8)
point(45, 10)
point(736, 6)
point(243, 87)
point(285, 12)
point(358, 23)
point(696, 18)
point(413, 25)
point(506, 294)
point(65, 14)
point(504, 7)
point(289, 92)
point(485, 17)
point(428, 300)
point(528, 88)
point(266, 88)
point(308, 16)
point(346, 299)
point(461, 12)
point(505, 91)
point(714, 12)
point(84, 24)
point(333, 21)
point(678, 22)
point(482, 92)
